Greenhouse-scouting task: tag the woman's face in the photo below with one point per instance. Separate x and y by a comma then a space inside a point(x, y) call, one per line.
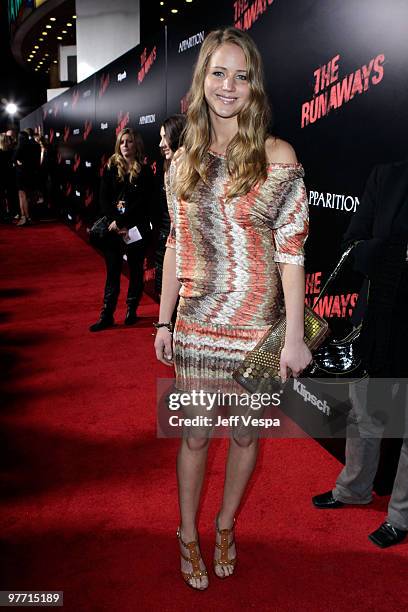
point(226, 87)
point(164, 145)
point(128, 146)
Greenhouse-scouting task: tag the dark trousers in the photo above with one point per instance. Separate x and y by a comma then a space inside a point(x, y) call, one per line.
point(113, 254)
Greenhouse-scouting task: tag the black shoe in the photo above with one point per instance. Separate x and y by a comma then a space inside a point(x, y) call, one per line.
point(326, 501)
point(104, 321)
point(131, 316)
point(387, 535)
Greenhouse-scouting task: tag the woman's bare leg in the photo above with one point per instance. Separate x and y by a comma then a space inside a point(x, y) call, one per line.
point(242, 455)
point(22, 196)
point(191, 463)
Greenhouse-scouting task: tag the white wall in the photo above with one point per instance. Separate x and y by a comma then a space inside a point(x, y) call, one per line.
point(105, 29)
point(64, 52)
point(53, 93)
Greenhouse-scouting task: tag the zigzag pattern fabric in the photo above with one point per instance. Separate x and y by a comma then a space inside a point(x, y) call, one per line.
point(227, 251)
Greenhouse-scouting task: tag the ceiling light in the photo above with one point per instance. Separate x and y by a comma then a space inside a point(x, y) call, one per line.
point(188, 1)
point(29, 59)
point(40, 39)
point(44, 33)
point(59, 37)
point(48, 26)
point(161, 18)
point(69, 24)
point(55, 61)
point(52, 19)
point(174, 10)
point(64, 32)
point(47, 55)
point(11, 108)
point(73, 16)
point(36, 47)
point(161, 3)
point(40, 63)
point(33, 52)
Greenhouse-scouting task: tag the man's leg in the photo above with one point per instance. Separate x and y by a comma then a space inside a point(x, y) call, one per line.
point(398, 506)
point(395, 527)
point(355, 482)
point(364, 431)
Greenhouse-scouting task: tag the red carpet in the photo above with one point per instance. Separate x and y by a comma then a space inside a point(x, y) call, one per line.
point(89, 493)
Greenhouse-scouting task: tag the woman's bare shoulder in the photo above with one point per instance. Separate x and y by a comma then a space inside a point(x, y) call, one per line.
point(279, 151)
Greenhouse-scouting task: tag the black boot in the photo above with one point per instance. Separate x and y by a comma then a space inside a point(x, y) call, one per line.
point(131, 316)
point(105, 319)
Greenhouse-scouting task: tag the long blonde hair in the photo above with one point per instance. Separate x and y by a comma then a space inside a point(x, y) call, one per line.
point(119, 161)
point(245, 155)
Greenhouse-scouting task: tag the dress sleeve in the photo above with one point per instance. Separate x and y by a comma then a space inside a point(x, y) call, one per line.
point(291, 223)
point(171, 205)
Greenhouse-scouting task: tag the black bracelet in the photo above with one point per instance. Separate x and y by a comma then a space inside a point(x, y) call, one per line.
point(168, 325)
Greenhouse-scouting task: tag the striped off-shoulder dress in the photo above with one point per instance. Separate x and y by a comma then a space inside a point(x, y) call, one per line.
point(227, 252)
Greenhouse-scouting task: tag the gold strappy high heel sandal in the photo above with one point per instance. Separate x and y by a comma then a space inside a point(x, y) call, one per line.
point(224, 547)
point(193, 558)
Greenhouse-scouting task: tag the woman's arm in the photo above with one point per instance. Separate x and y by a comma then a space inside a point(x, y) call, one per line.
point(295, 354)
point(291, 228)
point(169, 295)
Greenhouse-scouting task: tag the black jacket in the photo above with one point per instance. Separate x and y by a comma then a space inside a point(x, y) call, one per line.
point(28, 154)
point(381, 222)
point(374, 222)
point(139, 197)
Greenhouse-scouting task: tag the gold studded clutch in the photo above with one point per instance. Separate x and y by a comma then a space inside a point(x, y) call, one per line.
point(259, 372)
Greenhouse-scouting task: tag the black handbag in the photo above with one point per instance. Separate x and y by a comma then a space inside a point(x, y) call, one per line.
point(99, 231)
point(338, 360)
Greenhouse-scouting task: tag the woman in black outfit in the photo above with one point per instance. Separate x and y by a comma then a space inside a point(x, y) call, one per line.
point(126, 198)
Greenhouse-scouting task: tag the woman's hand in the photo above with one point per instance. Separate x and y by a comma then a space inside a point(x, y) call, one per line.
point(163, 346)
point(121, 231)
point(295, 356)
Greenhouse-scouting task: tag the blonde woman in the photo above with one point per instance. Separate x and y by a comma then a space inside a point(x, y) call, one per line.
point(126, 199)
point(239, 210)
